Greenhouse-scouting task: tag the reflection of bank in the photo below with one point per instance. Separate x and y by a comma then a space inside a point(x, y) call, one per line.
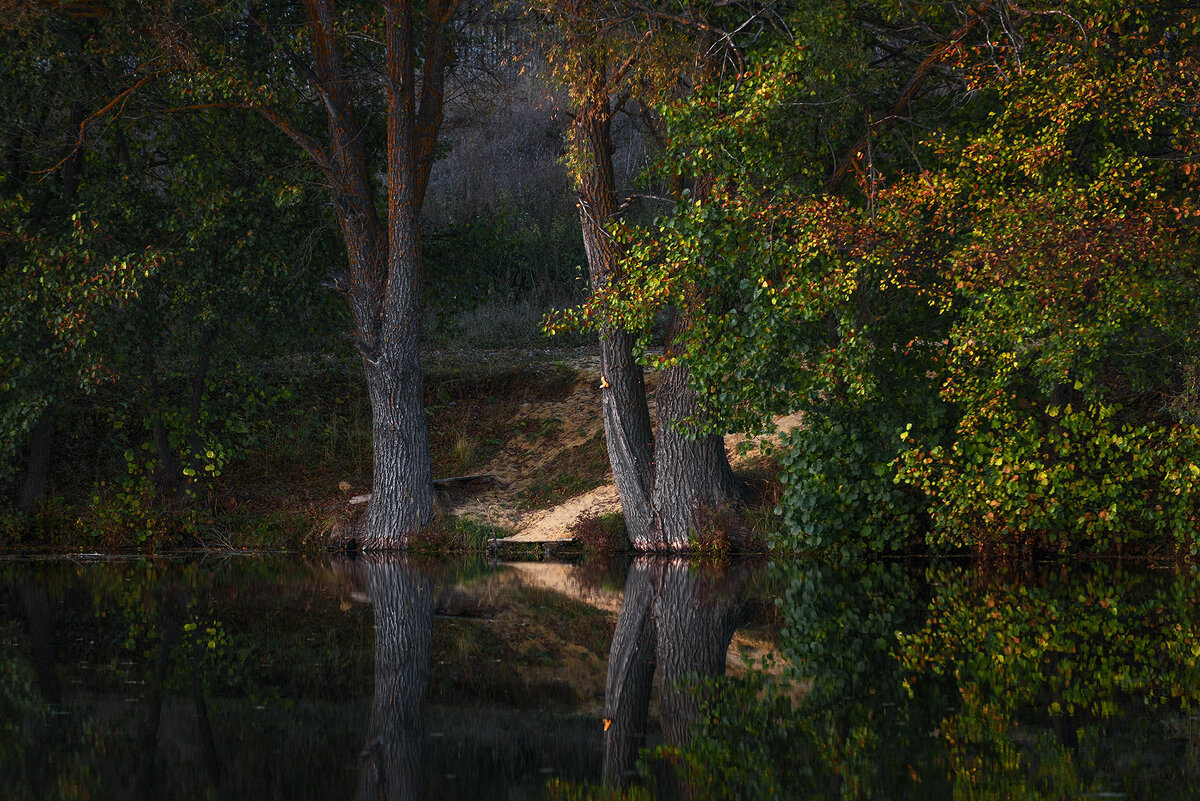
point(391, 764)
point(679, 618)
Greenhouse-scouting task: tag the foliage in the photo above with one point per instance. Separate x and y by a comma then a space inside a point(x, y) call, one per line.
point(1074, 260)
point(507, 257)
point(60, 292)
point(1065, 480)
point(560, 790)
point(148, 265)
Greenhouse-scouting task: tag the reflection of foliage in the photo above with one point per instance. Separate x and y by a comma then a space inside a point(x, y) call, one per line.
point(17, 697)
point(1045, 686)
point(1061, 664)
point(838, 634)
point(165, 647)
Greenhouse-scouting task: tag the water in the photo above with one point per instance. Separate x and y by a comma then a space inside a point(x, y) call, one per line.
point(253, 677)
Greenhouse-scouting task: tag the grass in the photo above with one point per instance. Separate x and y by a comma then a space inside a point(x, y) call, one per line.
point(454, 534)
point(578, 470)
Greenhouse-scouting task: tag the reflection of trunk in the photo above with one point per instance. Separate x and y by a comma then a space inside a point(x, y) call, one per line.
point(37, 469)
point(686, 615)
point(630, 675)
point(403, 601)
point(172, 609)
point(208, 743)
point(41, 637)
point(695, 621)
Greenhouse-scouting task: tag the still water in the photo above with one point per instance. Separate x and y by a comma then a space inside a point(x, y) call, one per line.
point(252, 677)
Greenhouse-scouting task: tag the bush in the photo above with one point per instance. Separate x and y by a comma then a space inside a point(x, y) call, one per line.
point(838, 473)
point(1064, 480)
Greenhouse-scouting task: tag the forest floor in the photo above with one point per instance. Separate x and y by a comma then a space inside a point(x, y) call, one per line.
point(552, 471)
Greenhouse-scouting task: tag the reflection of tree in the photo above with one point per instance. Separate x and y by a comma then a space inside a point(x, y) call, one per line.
point(681, 618)
point(41, 638)
point(402, 597)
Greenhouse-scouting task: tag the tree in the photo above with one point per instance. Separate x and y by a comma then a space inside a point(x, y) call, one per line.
point(611, 59)
point(145, 258)
point(62, 269)
point(253, 58)
point(894, 194)
point(383, 286)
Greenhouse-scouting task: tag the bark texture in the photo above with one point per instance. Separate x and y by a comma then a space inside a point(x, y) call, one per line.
point(695, 615)
point(391, 766)
point(693, 483)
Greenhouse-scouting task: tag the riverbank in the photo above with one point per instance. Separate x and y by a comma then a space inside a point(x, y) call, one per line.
point(524, 421)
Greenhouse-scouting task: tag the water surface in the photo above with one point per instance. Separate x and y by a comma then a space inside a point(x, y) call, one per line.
point(253, 677)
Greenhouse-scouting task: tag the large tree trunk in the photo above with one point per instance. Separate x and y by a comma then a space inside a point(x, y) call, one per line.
point(628, 434)
point(627, 430)
point(391, 763)
point(693, 483)
point(664, 485)
point(630, 677)
point(384, 284)
point(402, 500)
point(37, 468)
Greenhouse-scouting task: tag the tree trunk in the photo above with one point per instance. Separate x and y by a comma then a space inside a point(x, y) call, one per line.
point(627, 430)
point(630, 677)
point(693, 482)
point(384, 284)
point(627, 434)
point(169, 475)
point(402, 496)
point(37, 469)
point(391, 763)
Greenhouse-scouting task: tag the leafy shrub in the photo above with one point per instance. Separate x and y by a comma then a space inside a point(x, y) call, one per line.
point(602, 534)
point(1067, 480)
point(838, 474)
